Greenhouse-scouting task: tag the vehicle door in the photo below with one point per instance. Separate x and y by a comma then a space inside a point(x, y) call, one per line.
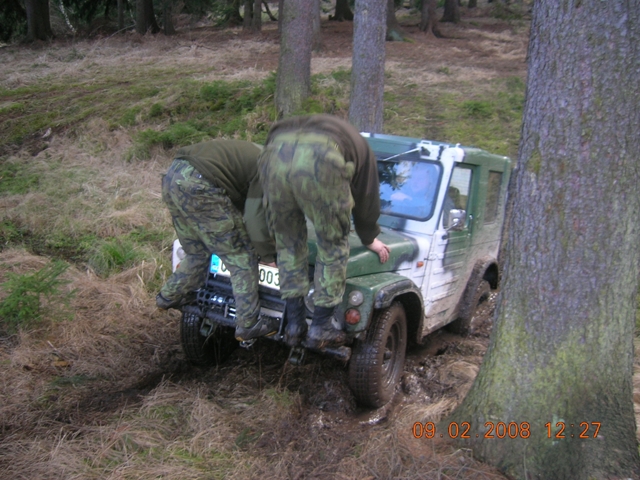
point(446, 274)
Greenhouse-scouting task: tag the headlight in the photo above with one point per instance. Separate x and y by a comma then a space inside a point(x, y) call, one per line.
point(356, 298)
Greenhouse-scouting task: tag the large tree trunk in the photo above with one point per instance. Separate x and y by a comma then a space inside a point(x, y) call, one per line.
point(428, 20)
point(394, 32)
point(560, 361)
point(145, 18)
point(248, 14)
point(293, 82)
point(367, 75)
point(451, 11)
point(342, 12)
point(38, 20)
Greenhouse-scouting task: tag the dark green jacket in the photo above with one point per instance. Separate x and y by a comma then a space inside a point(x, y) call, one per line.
point(232, 165)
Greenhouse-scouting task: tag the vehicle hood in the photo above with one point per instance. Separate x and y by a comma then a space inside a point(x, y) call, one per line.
point(362, 261)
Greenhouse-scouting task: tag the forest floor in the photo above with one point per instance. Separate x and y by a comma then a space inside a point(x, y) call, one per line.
point(109, 395)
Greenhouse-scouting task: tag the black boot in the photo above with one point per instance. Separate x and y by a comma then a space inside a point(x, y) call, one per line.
point(263, 327)
point(296, 327)
point(322, 334)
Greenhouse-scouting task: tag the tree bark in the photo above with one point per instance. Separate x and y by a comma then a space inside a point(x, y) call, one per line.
point(560, 360)
point(451, 11)
point(38, 20)
point(145, 18)
point(367, 75)
point(342, 12)
point(256, 21)
point(394, 32)
point(317, 34)
point(293, 83)
point(428, 20)
point(167, 17)
point(120, 15)
point(248, 14)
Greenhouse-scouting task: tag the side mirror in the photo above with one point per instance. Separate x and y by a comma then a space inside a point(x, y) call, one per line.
point(457, 220)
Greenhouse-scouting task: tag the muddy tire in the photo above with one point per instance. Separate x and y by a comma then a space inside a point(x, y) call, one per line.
point(205, 351)
point(463, 325)
point(377, 362)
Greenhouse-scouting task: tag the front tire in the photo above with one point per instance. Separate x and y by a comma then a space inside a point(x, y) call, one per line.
point(377, 362)
point(201, 350)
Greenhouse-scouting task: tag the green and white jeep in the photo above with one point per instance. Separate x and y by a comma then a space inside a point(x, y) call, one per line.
point(442, 214)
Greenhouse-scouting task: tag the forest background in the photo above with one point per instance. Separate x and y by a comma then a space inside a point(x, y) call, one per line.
point(94, 382)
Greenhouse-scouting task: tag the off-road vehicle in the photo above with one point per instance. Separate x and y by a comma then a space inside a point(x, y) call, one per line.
point(442, 215)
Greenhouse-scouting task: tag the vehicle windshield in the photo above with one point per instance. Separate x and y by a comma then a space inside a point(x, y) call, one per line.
point(408, 188)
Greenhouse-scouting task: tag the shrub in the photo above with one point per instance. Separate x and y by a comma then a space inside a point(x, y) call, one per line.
point(23, 305)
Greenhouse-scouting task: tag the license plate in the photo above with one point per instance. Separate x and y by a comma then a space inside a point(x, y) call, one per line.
point(268, 276)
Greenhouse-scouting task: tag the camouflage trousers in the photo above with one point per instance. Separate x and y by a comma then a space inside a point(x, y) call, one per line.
point(304, 174)
point(207, 222)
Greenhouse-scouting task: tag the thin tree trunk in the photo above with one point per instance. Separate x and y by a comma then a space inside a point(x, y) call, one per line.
point(367, 75)
point(293, 83)
point(120, 15)
point(256, 21)
point(248, 14)
point(560, 362)
point(167, 17)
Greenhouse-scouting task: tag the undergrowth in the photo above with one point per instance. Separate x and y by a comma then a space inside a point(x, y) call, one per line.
point(22, 307)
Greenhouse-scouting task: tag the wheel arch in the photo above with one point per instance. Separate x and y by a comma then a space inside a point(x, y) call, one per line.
point(408, 294)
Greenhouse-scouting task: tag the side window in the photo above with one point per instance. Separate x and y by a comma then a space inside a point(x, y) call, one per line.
point(493, 195)
point(458, 192)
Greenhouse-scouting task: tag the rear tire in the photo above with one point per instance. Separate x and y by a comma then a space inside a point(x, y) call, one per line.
point(377, 362)
point(205, 351)
point(463, 325)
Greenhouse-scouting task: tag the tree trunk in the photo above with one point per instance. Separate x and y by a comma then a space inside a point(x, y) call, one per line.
point(145, 18)
point(167, 17)
point(367, 75)
point(280, 14)
point(342, 12)
point(451, 12)
point(38, 20)
point(317, 34)
point(248, 14)
point(120, 15)
point(560, 361)
point(428, 20)
point(394, 32)
point(293, 83)
point(256, 21)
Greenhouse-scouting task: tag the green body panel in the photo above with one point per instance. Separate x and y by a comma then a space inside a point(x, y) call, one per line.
point(363, 261)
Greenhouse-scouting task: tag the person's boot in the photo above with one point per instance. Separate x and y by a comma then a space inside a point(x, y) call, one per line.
point(296, 327)
point(322, 334)
point(165, 304)
point(263, 327)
